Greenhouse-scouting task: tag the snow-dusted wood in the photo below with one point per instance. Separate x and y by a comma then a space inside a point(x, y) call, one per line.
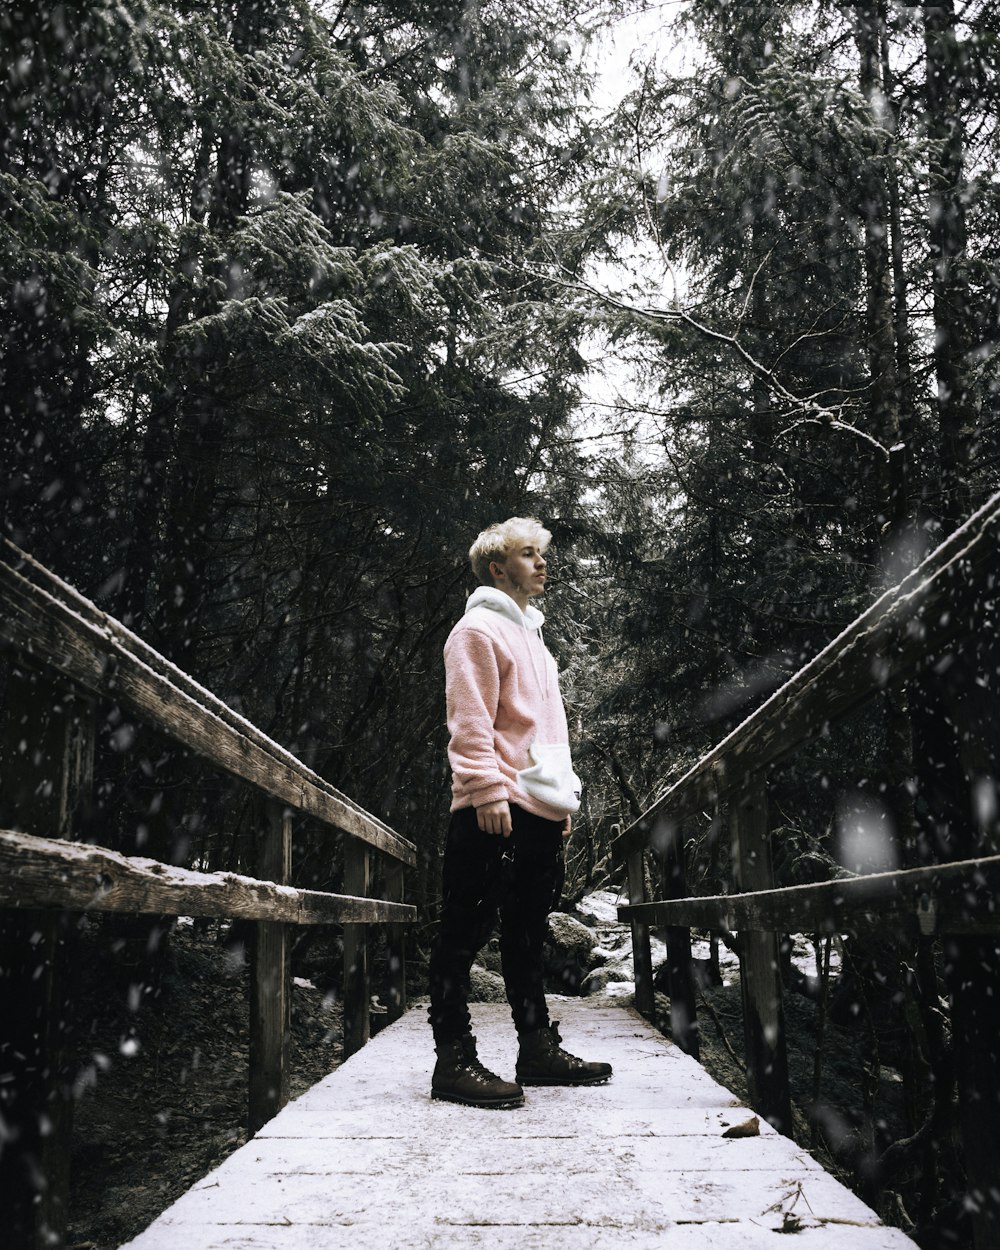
point(962, 897)
point(270, 969)
point(760, 975)
point(919, 616)
point(642, 957)
point(47, 619)
point(44, 872)
point(395, 942)
point(50, 626)
point(680, 972)
point(357, 988)
point(366, 1160)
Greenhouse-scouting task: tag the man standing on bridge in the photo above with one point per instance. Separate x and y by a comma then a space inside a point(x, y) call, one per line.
point(514, 792)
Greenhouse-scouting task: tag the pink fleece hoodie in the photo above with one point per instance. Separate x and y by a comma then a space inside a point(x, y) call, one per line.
point(505, 714)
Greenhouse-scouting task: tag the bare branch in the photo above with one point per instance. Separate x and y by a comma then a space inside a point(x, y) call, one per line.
point(815, 413)
point(756, 273)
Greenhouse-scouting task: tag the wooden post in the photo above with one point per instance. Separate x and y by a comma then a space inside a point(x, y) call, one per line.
point(270, 984)
point(46, 769)
point(642, 959)
point(396, 942)
point(357, 987)
point(668, 842)
point(760, 970)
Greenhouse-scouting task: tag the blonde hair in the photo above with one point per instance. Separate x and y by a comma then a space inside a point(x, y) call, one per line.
point(497, 540)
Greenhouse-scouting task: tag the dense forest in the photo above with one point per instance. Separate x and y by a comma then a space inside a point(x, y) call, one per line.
point(299, 295)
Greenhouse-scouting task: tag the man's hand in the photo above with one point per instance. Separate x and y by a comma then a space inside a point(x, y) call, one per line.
point(494, 817)
point(567, 826)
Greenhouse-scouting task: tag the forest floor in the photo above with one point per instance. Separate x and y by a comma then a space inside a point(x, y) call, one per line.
point(162, 1089)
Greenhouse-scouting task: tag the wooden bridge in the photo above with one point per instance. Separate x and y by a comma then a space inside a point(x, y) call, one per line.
point(366, 1156)
point(365, 1159)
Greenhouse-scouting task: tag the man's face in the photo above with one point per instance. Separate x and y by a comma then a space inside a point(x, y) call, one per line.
point(523, 571)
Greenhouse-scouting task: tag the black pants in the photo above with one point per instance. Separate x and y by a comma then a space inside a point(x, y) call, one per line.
point(521, 877)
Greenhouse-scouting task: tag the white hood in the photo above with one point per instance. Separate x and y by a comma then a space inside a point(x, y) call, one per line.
point(499, 601)
point(490, 599)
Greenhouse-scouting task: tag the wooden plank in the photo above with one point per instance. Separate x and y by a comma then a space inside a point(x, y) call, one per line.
point(46, 761)
point(357, 984)
point(961, 897)
point(921, 614)
point(668, 840)
point(640, 1162)
point(642, 957)
point(89, 648)
point(396, 944)
point(270, 988)
point(760, 971)
point(42, 872)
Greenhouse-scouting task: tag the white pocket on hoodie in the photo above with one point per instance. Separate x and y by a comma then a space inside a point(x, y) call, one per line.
point(551, 778)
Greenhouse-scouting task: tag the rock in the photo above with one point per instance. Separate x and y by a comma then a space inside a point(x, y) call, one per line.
point(489, 956)
point(485, 986)
point(568, 934)
point(569, 953)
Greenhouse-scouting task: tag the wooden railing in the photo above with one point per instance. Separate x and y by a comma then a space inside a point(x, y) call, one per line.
point(939, 627)
point(64, 654)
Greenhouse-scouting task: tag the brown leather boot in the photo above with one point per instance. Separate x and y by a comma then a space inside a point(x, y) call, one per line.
point(542, 1061)
point(460, 1077)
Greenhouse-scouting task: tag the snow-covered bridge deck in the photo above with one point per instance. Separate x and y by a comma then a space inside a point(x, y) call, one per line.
point(366, 1161)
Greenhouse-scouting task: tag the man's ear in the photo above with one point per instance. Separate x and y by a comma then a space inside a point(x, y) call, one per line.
point(496, 568)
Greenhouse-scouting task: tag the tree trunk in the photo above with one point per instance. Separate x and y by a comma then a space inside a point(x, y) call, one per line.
point(947, 232)
point(156, 458)
point(906, 393)
point(884, 384)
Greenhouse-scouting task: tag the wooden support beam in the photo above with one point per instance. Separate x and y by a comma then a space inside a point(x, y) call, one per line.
point(43, 872)
point(65, 632)
point(357, 984)
point(642, 957)
point(760, 971)
point(270, 985)
point(668, 841)
point(46, 763)
point(396, 944)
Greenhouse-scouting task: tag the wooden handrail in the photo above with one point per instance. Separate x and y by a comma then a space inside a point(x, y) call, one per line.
point(959, 897)
point(47, 743)
point(909, 630)
point(921, 614)
point(47, 619)
point(48, 872)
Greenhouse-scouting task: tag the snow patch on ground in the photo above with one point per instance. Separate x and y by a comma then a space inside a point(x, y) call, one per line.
point(599, 908)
